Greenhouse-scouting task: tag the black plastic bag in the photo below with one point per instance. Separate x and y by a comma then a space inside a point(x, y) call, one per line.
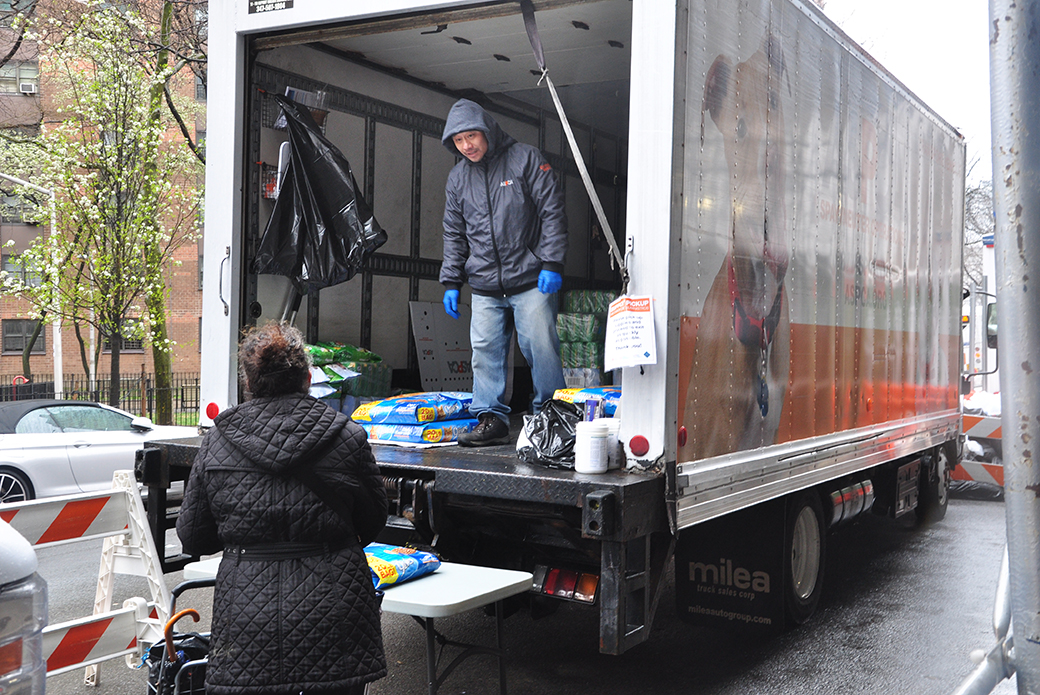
point(548, 437)
point(974, 490)
point(321, 231)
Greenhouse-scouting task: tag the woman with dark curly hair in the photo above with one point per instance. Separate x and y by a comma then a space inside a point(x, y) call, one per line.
point(288, 489)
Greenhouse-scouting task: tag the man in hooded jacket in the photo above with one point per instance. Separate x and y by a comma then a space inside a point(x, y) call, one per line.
point(505, 233)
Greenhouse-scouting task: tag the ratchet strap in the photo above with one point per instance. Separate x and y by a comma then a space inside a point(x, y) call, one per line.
point(536, 45)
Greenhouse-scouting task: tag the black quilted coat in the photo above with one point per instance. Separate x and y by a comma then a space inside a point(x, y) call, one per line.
point(282, 626)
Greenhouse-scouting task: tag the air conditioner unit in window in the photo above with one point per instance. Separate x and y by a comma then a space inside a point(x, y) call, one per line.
point(27, 87)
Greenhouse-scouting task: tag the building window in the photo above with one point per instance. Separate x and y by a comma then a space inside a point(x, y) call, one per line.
point(20, 132)
point(15, 209)
point(200, 89)
point(20, 269)
point(9, 11)
point(19, 78)
point(16, 333)
point(128, 345)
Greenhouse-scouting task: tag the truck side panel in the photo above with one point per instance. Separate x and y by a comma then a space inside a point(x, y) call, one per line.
point(821, 241)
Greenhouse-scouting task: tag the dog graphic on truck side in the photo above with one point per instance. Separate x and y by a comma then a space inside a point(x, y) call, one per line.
point(741, 357)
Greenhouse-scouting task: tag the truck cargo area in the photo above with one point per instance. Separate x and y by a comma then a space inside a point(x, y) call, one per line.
point(385, 88)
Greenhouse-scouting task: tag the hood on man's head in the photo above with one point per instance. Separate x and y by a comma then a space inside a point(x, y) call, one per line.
point(468, 115)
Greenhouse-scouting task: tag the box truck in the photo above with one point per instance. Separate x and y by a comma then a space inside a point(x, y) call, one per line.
point(791, 210)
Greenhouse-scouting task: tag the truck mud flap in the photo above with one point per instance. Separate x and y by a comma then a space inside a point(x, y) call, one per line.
point(729, 572)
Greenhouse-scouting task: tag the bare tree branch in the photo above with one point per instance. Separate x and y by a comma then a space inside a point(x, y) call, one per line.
point(199, 154)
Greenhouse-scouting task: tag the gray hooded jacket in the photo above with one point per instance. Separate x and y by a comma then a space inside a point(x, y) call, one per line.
point(504, 218)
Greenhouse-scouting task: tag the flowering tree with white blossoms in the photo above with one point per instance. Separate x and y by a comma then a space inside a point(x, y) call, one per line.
point(125, 184)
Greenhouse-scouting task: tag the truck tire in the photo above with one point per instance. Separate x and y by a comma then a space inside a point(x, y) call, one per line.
point(804, 552)
point(934, 496)
point(14, 486)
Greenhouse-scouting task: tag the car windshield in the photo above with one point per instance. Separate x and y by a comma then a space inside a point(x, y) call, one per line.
point(76, 418)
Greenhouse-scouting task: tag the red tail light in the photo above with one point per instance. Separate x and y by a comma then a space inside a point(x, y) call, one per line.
point(565, 584)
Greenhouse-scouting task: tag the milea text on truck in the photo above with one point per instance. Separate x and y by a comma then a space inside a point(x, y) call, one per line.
point(793, 212)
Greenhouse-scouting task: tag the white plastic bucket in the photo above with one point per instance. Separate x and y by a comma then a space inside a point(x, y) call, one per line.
point(590, 447)
point(613, 426)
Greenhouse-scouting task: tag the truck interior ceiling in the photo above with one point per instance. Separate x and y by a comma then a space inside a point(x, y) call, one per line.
point(380, 91)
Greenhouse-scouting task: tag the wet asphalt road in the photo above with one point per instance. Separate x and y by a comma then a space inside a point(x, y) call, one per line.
point(901, 610)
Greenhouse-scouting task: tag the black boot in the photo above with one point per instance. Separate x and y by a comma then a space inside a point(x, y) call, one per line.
point(491, 430)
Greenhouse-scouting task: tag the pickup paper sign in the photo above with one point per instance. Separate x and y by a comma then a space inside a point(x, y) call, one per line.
point(630, 333)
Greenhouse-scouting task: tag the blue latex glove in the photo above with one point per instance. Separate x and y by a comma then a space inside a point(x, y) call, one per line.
point(451, 303)
point(549, 282)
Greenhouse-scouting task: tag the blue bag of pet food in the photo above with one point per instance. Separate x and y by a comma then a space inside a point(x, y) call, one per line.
point(415, 408)
point(393, 564)
point(428, 433)
point(609, 396)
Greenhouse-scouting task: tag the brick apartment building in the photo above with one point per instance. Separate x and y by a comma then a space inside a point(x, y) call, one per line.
point(24, 106)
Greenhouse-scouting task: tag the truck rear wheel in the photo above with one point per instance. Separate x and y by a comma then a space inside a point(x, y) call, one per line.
point(804, 552)
point(934, 495)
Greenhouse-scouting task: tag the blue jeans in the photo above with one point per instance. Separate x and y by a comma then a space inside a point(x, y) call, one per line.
point(491, 334)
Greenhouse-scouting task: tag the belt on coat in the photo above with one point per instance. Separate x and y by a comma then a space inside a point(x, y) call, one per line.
point(282, 551)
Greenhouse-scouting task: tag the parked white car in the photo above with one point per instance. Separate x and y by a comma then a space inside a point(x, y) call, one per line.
point(54, 447)
point(23, 615)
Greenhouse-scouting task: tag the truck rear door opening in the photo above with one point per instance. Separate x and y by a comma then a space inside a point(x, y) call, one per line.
point(385, 87)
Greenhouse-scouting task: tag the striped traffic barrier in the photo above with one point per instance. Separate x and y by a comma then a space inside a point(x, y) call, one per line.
point(981, 427)
point(980, 472)
point(117, 516)
point(70, 518)
point(91, 640)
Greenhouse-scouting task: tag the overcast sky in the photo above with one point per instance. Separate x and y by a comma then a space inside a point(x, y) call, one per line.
point(940, 50)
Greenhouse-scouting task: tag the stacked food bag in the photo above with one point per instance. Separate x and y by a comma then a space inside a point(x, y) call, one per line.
point(608, 397)
point(349, 371)
point(581, 327)
point(329, 351)
point(429, 417)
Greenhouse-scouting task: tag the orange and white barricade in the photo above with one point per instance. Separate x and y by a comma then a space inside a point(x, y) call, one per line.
point(96, 638)
point(980, 427)
point(980, 472)
point(118, 516)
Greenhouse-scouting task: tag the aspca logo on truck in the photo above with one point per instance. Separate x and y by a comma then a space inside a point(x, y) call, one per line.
point(726, 580)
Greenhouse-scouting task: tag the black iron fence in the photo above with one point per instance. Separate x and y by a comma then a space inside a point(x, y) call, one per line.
point(137, 392)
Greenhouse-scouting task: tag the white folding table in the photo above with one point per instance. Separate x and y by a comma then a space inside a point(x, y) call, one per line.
point(452, 589)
